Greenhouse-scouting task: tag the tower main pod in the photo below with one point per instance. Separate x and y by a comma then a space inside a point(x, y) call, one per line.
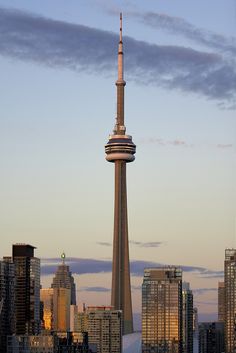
point(120, 150)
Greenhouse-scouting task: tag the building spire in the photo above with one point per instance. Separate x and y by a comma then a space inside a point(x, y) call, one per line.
point(120, 83)
point(63, 257)
point(120, 53)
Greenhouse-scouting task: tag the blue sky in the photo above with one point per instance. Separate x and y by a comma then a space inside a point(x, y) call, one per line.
point(58, 68)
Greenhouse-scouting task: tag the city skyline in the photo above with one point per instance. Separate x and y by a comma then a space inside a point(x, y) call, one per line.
point(57, 187)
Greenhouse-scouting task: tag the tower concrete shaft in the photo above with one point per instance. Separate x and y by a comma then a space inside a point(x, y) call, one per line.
point(120, 150)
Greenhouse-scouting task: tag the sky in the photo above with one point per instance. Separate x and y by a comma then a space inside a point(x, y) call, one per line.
point(58, 104)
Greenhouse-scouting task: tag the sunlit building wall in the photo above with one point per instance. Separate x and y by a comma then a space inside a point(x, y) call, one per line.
point(63, 279)
point(61, 309)
point(162, 310)
point(105, 329)
point(46, 296)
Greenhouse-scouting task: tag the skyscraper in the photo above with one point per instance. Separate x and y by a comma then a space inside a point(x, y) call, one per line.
point(120, 150)
point(221, 301)
point(27, 289)
point(162, 310)
point(64, 279)
point(7, 302)
point(105, 329)
point(230, 300)
point(187, 298)
point(211, 337)
point(46, 296)
point(61, 309)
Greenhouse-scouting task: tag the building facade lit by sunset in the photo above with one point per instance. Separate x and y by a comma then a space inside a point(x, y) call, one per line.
point(61, 309)
point(120, 150)
point(46, 297)
point(162, 310)
point(230, 300)
point(63, 279)
point(105, 329)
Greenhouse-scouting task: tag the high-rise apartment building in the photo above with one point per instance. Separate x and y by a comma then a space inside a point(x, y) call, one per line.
point(162, 310)
point(105, 329)
point(211, 337)
point(27, 289)
point(7, 302)
point(187, 324)
point(230, 300)
point(221, 301)
point(120, 150)
point(64, 279)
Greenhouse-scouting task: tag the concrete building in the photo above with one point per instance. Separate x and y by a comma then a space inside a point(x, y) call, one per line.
point(7, 302)
point(27, 289)
point(120, 150)
point(187, 324)
point(211, 337)
point(162, 310)
point(230, 300)
point(64, 279)
point(105, 329)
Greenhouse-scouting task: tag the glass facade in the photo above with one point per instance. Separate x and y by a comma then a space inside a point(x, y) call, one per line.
point(162, 310)
point(187, 298)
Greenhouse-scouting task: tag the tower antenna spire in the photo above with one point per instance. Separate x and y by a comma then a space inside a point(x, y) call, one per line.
point(120, 54)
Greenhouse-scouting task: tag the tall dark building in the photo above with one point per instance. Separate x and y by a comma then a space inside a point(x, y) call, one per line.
point(221, 302)
point(120, 150)
point(27, 289)
point(211, 337)
point(162, 310)
point(64, 279)
point(7, 286)
point(230, 300)
point(187, 298)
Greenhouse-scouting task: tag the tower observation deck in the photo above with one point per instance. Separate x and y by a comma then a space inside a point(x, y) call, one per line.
point(120, 150)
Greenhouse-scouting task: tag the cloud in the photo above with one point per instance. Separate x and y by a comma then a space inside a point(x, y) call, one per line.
point(150, 244)
point(205, 302)
point(95, 289)
point(58, 44)
point(89, 266)
point(221, 145)
point(161, 142)
point(104, 243)
point(179, 26)
point(200, 291)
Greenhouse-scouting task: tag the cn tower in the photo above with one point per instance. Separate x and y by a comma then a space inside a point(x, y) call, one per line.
point(120, 150)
